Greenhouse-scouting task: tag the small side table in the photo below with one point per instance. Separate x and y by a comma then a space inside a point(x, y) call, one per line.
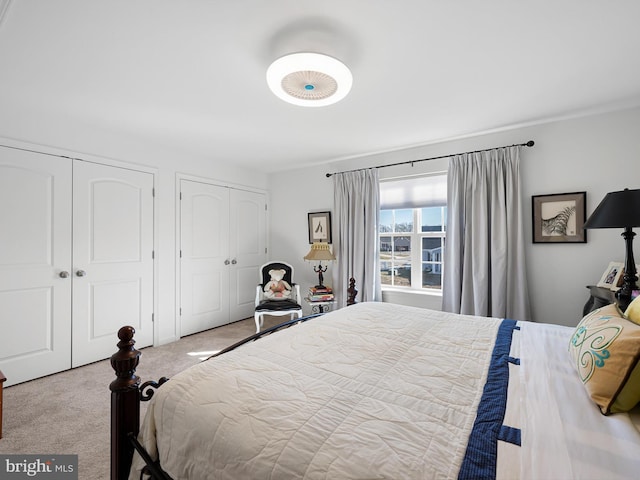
point(599, 297)
point(2, 379)
point(323, 306)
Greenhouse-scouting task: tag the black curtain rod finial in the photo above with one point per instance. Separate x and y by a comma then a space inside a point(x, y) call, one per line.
point(530, 143)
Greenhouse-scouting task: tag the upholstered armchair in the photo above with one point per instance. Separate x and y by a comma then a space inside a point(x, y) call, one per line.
point(276, 294)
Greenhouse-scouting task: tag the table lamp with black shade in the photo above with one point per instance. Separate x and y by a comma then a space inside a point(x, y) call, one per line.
point(621, 210)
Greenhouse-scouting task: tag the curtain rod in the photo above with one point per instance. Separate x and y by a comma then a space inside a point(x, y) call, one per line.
point(530, 143)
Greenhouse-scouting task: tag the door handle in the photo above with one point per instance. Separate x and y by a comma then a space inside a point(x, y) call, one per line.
point(63, 274)
point(226, 262)
point(234, 261)
point(81, 273)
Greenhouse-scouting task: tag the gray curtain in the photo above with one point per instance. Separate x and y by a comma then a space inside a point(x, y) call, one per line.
point(484, 262)
point(355, 242)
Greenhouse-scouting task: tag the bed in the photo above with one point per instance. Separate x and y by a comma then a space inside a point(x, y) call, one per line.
point(378, 390)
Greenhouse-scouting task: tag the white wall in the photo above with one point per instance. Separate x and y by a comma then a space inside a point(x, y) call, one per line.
point(294, 194)
point(596, 154)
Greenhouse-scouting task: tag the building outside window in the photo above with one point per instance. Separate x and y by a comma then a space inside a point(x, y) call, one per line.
point(413, 215)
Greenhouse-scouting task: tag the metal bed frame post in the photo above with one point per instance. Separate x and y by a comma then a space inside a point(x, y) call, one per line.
point(125, 403)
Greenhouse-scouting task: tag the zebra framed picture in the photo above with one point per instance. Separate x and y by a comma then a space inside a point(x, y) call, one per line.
point(559, 217)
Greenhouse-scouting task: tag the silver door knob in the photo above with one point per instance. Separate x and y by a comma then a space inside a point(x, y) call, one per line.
point(234, 261)
point(63, 274)
point(226, 262)
point(81, 273)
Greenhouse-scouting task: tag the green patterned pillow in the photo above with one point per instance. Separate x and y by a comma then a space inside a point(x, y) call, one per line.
point(605, 349)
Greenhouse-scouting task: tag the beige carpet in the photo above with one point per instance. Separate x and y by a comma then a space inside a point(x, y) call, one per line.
point(68, 413)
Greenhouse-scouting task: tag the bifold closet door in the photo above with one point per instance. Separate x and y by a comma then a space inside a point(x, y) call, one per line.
point(222, 246)
point(204, 256)
point(247, 243)
point(35, 264)
point(112, 258)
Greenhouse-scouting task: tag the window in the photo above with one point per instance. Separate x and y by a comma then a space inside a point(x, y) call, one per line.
point(413, 216)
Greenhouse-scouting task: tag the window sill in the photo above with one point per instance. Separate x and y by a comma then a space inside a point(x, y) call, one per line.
point(415, 298)
point(411, 291)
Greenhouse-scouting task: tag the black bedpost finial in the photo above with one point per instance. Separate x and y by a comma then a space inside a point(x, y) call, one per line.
point(351, 292)
point(125, 361)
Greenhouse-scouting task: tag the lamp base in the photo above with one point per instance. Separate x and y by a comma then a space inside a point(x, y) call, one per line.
point(320, 271)
point(630, 278)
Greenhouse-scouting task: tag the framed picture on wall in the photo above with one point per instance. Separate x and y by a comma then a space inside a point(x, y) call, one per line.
point(319, 227)
point(612, 276)
point(559, 218)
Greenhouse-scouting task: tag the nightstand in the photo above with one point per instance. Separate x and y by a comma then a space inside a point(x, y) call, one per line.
point(323, 306)
point(600, 296)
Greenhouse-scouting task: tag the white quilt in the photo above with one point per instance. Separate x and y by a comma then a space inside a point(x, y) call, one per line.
point(370, 391)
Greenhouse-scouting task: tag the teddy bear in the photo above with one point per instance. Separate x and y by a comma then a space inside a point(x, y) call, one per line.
point(277, 288)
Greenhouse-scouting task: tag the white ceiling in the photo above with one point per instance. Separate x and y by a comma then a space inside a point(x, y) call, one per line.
point(189, 75)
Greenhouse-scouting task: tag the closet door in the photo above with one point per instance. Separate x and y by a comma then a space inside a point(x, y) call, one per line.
point(35, 264)
point(247, 242)
point(112, 258)
point(204, 256)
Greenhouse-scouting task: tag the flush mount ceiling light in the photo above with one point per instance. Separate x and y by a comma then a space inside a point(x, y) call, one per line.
point(309, 79)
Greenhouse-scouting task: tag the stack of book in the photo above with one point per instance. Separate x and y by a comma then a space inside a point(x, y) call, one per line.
point(320, 294)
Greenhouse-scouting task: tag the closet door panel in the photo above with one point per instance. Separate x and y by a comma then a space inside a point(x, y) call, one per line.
point(35, 255)
point(113, 258)
point(247, 231)
point(204, 256)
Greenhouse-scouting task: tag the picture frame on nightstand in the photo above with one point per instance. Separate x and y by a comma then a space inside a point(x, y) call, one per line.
point(612, 276)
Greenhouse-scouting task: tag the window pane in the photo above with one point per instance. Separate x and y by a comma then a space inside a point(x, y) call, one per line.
point(385, 272)
point(432, 278)
point(431, 249)
point(404, 220)
point(432, 219)
point(401, 261)
point(402, 248)
point(432, 262)
point(402, 274)
point(385, 246)
point(386, 221)
point(444, 218)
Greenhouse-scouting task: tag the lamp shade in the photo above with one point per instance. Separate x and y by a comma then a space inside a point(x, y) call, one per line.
point(617, 210)
point(319, 251)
